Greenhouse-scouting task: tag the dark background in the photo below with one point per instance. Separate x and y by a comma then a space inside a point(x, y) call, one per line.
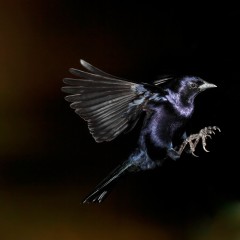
point(48, 159)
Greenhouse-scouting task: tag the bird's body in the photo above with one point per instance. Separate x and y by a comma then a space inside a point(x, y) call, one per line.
point(112, 105)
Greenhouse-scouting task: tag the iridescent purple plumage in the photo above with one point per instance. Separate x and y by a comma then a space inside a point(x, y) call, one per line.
point(112, 106)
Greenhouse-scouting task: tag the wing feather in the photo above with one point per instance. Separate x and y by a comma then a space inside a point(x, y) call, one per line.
point(97, 71)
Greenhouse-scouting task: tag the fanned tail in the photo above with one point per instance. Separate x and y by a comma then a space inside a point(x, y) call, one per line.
point(104, 188)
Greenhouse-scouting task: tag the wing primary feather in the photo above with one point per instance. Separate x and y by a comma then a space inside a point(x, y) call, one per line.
point(103, 131)
point(100, 106)
point(98, 110)
point(109, 114)
point(97, 71)
point(103, 114)
point(103, 101)
point(107, 133)
point(92, 76)
point(92, 92)
point(96, 82)
point(114, 132)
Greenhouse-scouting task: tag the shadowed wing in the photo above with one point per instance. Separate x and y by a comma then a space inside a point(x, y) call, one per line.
point(109, 104)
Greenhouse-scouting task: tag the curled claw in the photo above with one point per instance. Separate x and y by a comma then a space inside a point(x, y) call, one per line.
point(204, 148)
point(216, 128)
point(194, 154)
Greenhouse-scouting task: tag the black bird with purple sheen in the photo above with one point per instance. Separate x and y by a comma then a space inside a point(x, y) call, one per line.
point(112, 106)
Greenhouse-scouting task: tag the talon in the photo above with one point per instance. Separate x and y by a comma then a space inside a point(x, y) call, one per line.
point(204, 148)
point(208, 136)
point(194, 154)
point(217, 128)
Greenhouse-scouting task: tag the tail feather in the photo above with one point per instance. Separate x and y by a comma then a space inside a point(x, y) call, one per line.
point(103, 189)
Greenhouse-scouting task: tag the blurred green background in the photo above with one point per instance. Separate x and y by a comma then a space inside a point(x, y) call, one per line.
point(48, 159)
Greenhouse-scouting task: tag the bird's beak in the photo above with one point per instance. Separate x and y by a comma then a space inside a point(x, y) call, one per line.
point(206, 85)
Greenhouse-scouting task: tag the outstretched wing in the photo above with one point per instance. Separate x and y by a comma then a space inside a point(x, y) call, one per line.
point(109, 104)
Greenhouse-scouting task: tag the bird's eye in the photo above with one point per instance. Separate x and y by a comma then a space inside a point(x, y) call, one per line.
point(193, 85)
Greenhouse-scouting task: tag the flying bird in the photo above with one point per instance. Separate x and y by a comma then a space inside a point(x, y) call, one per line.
point(112, 106)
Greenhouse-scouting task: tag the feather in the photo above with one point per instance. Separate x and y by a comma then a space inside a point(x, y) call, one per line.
point(109, 104)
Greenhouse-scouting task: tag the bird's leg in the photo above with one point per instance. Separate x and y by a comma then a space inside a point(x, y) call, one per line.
point(194, 139)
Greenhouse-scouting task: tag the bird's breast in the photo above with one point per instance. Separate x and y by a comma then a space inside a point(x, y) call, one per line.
point(163, 126)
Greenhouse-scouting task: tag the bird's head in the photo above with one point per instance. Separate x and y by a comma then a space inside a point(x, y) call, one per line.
point(188, 87)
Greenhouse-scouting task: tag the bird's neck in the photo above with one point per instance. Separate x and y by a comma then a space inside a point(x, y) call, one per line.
point(183, 106)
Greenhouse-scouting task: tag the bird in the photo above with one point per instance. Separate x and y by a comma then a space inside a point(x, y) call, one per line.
point(112, 106)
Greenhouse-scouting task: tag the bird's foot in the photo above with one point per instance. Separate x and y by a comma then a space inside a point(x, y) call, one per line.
point(193, 139)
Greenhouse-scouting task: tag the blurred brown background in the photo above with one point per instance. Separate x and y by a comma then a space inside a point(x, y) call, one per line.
point(48, 159)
